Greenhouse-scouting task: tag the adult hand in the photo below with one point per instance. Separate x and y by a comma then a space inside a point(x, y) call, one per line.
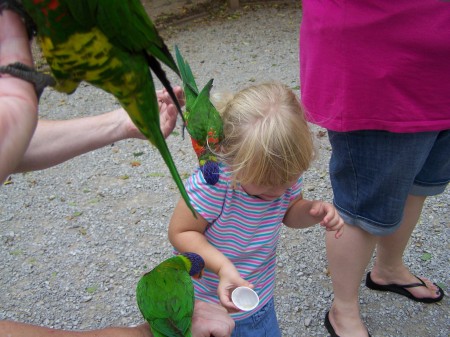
point(211, 319)
point(167, 114)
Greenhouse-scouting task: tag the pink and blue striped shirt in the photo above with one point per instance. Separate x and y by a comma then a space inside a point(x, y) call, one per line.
point(244, 228)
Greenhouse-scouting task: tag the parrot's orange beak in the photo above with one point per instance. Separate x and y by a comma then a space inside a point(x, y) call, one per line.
point(198, 275)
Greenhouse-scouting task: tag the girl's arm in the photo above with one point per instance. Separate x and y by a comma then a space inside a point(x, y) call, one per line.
point(186, 234)
point(306, 213)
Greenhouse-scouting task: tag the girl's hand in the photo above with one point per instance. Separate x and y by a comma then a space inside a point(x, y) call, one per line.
point(331, 220)
point(230, 280)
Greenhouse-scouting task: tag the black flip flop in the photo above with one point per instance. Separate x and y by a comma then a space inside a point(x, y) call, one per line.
point(401, 289)
point(330, 328)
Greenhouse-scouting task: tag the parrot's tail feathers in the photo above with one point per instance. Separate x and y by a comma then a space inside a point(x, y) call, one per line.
point(155, 66)
point(207, 88)
point(203, 96)
point(186, 72)
point(161, 145)
point(193, 87)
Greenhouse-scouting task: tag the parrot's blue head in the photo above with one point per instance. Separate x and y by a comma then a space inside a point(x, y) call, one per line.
point(210, 172)
point(197, 264)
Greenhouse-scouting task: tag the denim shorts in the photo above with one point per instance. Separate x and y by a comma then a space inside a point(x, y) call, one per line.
point(373, 172)
point(262, 323)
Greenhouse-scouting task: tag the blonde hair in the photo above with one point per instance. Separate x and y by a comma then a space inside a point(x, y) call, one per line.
point(267, 140)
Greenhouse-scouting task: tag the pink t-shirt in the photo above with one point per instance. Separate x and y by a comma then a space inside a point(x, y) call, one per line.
point(376, 64)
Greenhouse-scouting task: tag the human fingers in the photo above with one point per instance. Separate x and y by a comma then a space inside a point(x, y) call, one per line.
point(211, 319)
point(179, 94)
point(167, 118)
point(336, 225)
point(225, 300)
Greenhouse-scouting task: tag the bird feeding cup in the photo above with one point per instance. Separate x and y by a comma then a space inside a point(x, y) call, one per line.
point(245, 298)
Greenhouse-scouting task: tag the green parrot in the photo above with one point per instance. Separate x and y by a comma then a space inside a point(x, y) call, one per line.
point(111, 44)
point(165, 295)
point(203, 122)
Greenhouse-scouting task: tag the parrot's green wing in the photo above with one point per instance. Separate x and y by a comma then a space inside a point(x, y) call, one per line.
point(125, 24)
point(203, 121)
point(165, 297)
point(200, 114)
point(128, 27)
point(189, 86)
point(110, 44)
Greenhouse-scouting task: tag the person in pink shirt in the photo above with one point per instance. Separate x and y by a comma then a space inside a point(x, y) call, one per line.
point(376, 75)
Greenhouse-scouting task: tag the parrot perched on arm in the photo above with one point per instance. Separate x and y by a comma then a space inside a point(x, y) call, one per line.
point(165, 295)
point(203, 122)
point(111, 44)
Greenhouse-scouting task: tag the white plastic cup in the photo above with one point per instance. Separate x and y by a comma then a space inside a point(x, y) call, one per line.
point(245, 298)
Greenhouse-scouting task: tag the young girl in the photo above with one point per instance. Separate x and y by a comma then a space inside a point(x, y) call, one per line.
point(267, 147)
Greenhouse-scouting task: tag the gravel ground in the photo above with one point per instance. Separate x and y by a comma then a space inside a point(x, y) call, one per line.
point(74, 239)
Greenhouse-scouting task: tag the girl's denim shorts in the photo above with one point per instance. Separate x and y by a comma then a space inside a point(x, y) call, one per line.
point(373, 172)
point(262, 323)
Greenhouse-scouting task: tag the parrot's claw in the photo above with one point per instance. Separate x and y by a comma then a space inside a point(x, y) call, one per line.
point(24, 72)
point(183, 128)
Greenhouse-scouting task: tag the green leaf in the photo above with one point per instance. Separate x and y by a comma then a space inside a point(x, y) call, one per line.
point(91, 289)
point(442, 285)
point(138, 154)
point(426, 256)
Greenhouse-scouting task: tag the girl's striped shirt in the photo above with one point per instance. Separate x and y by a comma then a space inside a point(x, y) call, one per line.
point(244, 228)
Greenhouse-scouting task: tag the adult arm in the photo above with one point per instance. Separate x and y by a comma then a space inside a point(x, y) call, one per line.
point(208, 320)
point(18, 101)
point(57, 141)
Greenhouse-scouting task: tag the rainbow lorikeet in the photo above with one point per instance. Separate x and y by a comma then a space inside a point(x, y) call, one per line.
point(165, 295)
point(111, 44)
point(203, 122)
